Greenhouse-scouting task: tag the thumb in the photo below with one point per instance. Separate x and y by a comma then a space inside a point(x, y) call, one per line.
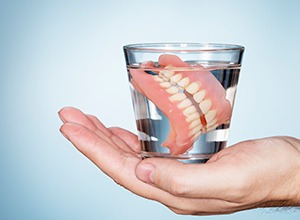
point(179, 179)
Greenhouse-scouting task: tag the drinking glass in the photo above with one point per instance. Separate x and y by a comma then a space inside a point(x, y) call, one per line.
point(183, 95)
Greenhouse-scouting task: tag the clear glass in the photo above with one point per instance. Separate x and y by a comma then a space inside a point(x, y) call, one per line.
point(183, 96)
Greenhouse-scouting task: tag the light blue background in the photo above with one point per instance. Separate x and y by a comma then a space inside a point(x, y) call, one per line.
point(69, 53)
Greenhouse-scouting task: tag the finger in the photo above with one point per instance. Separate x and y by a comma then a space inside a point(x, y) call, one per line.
point(121, 137)
point(203, 189)
point(186, 180)
point(129, 138)
point(122, 144)
point(70, 114)
point(114, 162)
point(109, 159)
point(99, 125)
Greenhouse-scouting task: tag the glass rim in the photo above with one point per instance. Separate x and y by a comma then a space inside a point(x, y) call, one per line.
point(184, 47)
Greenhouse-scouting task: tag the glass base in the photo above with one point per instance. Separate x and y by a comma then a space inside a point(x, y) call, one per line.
point(184, 158)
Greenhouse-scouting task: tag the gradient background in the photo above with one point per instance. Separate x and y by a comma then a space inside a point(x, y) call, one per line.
point(69, 53)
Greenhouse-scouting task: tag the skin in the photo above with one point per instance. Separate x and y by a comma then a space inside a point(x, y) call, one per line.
point(247, 175)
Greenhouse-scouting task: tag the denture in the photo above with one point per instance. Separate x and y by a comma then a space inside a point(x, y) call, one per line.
point(194, 101)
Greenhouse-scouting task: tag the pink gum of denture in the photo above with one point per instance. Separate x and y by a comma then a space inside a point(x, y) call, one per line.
point(179, 139)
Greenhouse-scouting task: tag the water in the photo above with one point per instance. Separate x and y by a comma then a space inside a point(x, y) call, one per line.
point(153, 126)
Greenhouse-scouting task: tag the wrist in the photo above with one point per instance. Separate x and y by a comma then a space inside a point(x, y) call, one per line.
point(295, 198)
point(288, 195)
point(286, 192)
point(295, 191)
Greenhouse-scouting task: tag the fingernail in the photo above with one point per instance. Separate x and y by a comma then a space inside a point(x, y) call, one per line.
point(144, 172)
point(64, 134)
point(61, 117)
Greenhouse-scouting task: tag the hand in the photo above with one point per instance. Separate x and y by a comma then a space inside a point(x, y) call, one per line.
point(250, 174)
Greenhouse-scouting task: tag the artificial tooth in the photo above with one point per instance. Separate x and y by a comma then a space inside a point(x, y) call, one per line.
point(199, 96)
point(172, 90)
point(192, 88)
point(211, 123)
point(167, 73)
point(205, 106)
point(169, 67)
point(190, 110)
point(194, 123)
point(210, 115)
point(165, 84)
point(184, 82)
point(164, 78)
point(195, 130)
point(177, 97)
point(184, 104)
point(193, 117)
point(158, 79)
point(176, 78)
point(212, 127)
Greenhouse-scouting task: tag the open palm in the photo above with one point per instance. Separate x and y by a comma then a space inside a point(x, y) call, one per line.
point(251, 174)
